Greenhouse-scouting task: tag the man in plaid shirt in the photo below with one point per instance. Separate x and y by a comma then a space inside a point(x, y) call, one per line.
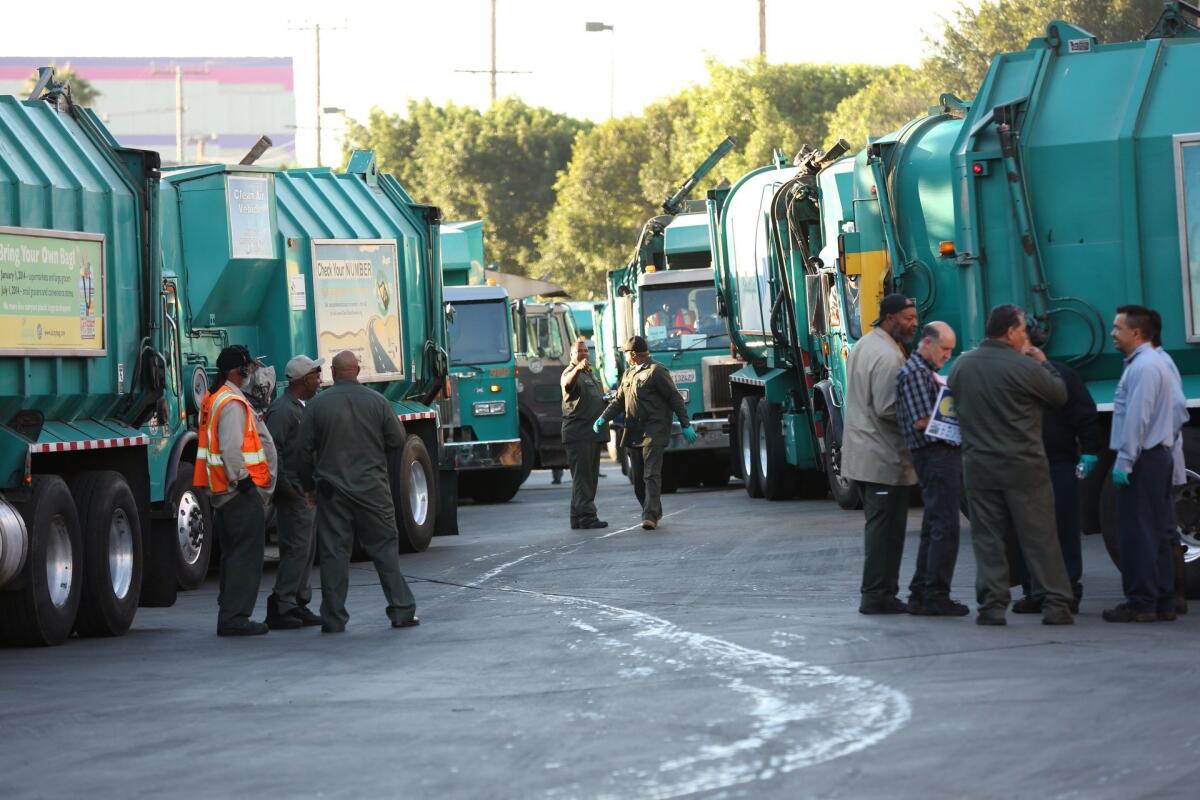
point(939, 469)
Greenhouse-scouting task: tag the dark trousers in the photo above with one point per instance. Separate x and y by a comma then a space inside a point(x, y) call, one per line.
point(886, 510)
point(647, 464)
point(1066, 518)
point(1026, 514)
point(243, 529)
point(1144, 513)
point(339, 520)
point(939, 469)
point(297, 547)
point(584, 458)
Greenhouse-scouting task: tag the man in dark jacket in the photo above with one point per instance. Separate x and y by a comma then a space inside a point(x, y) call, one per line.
point(582, 402)
point(1073, 440)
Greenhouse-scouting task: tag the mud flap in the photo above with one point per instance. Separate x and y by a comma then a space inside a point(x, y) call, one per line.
point(447, 510)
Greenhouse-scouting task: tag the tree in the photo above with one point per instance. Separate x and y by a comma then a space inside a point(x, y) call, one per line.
point(498, 165)
point(83, 93)
point(891, 99)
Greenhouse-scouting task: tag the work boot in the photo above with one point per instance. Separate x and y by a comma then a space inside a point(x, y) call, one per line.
point(890, 605)
point(1177, 552)
point(1028, 605)
point(1166, 615)
point(594, 524)
point(406, 623)
point(277, 621)
point(942, 606)
point(1123, 613)
point(247, 628)
point(307, 618)
point(990, 618)
point(1057, 616)
point(649, 524)
point(916, 604)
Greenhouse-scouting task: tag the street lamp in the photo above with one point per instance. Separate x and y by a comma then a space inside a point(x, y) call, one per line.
point(600, 27)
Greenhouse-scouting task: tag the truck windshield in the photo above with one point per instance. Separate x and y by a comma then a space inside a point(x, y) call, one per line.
point(479, 333)
point(682, 316)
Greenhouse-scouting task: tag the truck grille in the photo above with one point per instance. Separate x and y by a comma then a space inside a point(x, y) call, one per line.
point(716, 382)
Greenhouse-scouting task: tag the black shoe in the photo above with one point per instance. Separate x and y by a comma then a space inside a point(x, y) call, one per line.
point(1057, 616)
point(1168, 615)
point(649, 525)
point(990, 618)
point(307, 618)
point(594, 524)
point(915, 605)
point(407, 623)
point(943, 606)
point(1123, 613)
point(575, 525)
point(890, 605)
point(247, 628)
point(327, 628)
point(1028, 605)
point(277, 621)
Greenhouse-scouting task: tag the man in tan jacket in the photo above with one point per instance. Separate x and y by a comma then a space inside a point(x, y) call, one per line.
point(873, 450)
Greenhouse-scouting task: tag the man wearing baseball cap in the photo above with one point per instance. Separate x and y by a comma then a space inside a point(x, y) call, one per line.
point(649, 397)
point(287, 607)
point(874, 453)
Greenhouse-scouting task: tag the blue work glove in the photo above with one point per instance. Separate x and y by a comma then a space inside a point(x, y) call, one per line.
point(598, 424)
point(689, 433)
point(1120, 479)
point(1087, 463)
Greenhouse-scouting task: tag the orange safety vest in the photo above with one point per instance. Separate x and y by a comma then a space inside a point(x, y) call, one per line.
point(684, 318)
point(210, 467)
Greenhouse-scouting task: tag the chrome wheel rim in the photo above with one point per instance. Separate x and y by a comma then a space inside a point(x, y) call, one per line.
point(189, 525)
point(59, 561)
point(120, 553)
point(418, 493)
point(762, 451)
point(747, 449)
point(1187, 516)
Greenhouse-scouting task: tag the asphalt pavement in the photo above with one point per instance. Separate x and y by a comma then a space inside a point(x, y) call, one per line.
point(721, 656)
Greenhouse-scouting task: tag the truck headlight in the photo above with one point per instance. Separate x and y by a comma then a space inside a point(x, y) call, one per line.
point(488, 408)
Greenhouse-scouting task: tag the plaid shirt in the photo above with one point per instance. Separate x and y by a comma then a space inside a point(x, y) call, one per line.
point(917, 389)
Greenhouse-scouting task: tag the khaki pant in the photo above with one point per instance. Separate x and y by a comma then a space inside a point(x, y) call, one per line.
point(1027, 514)
point(339, 520)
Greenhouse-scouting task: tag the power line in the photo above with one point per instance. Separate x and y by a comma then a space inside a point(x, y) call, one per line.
point(493, 72)
point(316, 28)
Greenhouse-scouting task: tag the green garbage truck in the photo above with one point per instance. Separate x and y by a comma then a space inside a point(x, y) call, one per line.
point(666, 294)
point(479, 415)
point(84, 350)
point(1069, 185)
point(307, 261)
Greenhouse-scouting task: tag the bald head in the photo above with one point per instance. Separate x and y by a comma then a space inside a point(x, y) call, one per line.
point(937, 343)
point(344, 366)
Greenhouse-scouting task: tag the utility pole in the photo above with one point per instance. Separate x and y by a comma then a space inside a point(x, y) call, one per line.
point(316, 29)
point(493, 72)
point(762, 29)
point(178, 71)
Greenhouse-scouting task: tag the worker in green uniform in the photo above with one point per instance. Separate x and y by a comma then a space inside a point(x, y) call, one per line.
point(345, 434)
point(287, 607)
point(582, 401)
point(648, 396)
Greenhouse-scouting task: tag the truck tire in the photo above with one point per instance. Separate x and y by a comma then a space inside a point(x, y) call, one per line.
point(775, 475)
point(41, 611)
point(191, 522)
point(493, 486)
point(112, 553)
point(845, 492)
point(413, 487)
point(748, 443)
point(528, 454)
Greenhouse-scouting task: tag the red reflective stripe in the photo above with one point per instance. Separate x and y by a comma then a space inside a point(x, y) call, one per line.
point(87, 444)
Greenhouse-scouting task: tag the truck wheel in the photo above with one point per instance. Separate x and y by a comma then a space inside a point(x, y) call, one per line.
point(845, 492)
point(748, 441)
point(494, 486)
point(775, 474)
point(627, 464)
point(528, 456)
point(112, 553)
point(192, 521)
point(413, 493)
point(42, 611)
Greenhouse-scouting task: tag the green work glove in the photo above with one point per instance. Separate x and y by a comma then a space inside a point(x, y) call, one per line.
point(689, 433)
point(1087, 463)
point(1120, 479)
point(598, 424)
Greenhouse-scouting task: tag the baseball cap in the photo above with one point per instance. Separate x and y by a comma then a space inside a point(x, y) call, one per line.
point(235, 356)
point(893, 304)
point(300, 366)
point(636, 344)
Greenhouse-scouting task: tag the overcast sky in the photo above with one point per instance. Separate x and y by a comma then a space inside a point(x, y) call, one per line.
point(386, 53)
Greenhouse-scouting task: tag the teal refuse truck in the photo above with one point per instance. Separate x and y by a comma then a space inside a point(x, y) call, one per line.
point(307, 261)
point(84, 354)
point(1069, 185)
point(666, 294)
point(479, 412)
